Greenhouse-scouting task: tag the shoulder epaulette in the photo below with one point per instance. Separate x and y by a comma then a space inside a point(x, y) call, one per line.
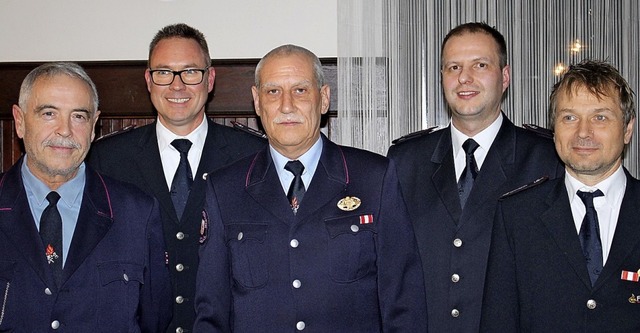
point(414, 135)
point(541, 131)
point(247, 129)
point(120, 131)
point(526, 186)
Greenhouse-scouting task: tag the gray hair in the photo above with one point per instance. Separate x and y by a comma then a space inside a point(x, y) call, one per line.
point(289, 49)
point(52, 69)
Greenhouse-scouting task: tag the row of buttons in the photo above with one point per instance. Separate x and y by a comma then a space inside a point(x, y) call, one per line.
point(455, 313)
point(297, 284)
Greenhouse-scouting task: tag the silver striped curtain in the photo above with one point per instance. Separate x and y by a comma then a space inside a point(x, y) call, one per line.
point(389, 59)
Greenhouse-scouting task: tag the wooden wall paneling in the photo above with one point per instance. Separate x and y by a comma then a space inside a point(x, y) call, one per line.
point(124, 99)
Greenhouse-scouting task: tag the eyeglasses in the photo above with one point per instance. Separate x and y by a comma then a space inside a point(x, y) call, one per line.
point(189, 76)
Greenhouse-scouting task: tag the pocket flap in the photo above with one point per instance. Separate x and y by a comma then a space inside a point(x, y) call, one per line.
point(113, 271)
point(351, 224)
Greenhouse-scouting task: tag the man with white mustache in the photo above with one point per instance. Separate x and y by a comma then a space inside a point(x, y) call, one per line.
point(452, 178)
point(306, 235)
point(80, 252)
point(565, 253)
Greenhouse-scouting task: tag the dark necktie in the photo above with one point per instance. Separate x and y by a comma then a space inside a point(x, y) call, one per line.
point(183, 178)
point(590, 235)
point(51, 234)
point(470, 171)
point(296, 189)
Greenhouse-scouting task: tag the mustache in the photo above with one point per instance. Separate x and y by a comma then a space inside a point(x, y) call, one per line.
point(61, 142)
point(585, 143)
point(288, 118)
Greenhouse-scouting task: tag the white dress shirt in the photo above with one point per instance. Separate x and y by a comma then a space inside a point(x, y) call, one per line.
point(170, 156)
point(484, 139)
point(607, 206)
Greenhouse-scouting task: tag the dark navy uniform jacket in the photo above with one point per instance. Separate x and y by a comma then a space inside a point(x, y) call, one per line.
point(454, 243)
point(325, 269)
point(115, 278)
point(537, 279)
point(134, 157)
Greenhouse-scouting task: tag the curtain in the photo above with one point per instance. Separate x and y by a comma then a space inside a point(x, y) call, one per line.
point(389, 59)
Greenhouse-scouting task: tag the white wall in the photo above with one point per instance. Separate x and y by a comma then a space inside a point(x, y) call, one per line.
point(75, 30)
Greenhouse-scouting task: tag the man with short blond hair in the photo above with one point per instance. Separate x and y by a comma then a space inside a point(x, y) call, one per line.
point(565, 253)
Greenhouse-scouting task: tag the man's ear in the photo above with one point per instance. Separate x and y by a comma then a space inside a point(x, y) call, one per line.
point(18, 118)
point(256, 99)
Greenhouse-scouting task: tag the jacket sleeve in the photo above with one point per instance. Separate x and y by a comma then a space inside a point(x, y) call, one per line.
point(400, 280)
point(155, 300)
point(213, 287)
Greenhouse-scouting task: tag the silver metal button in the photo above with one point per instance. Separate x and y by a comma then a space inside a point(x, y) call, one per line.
point(240, 235)
point(204, 177)
point(300, 325)
point(179, 267)
point(179, 330)
point(55, 324)
point(297, 284)
point(180, 235)
point(455, 278)
point(355, 228)
point(294, 243)
point(457, 242)
point(455, 313)
point(591, 304)
point(179, 299)
point(47, 291)
point(125, 277)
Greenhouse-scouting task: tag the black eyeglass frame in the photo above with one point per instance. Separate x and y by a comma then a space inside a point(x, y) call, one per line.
point(178, 73)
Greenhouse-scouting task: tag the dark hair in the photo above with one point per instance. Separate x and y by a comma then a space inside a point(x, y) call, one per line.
point(181, 30)
point(289, 49)
point(600, 79)
point(53, 69)
point(478, 27)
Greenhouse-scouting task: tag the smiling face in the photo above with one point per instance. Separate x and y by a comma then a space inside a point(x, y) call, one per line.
point(290, 104)
point(472, 80)
point(590, 134)
point(180, 107)
point(56, 126)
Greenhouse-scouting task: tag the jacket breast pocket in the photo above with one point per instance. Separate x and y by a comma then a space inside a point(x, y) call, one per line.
point(351, 248)
point(7, 270)
point(119, 292)
point(247, 247)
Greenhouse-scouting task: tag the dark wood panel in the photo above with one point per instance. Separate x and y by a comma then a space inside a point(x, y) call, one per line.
point(124, 99)
point(123, 91)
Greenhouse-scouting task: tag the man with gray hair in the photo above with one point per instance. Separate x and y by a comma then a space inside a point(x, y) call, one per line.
point(80, 252)
point(306, 234)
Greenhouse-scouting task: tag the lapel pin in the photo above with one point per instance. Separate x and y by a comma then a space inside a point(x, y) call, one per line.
point(349, 203)
point(634, 299)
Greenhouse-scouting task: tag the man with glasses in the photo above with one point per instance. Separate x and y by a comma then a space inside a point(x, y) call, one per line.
point(169, 157)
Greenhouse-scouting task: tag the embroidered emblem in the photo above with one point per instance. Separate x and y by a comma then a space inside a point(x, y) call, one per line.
point(204, 227)
point(295, 205)
point(366, 219)
point(634, 299)
point(349, 203)
point(51, 254)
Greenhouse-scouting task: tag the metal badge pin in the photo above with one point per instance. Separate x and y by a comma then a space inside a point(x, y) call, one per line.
point(349, 203)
